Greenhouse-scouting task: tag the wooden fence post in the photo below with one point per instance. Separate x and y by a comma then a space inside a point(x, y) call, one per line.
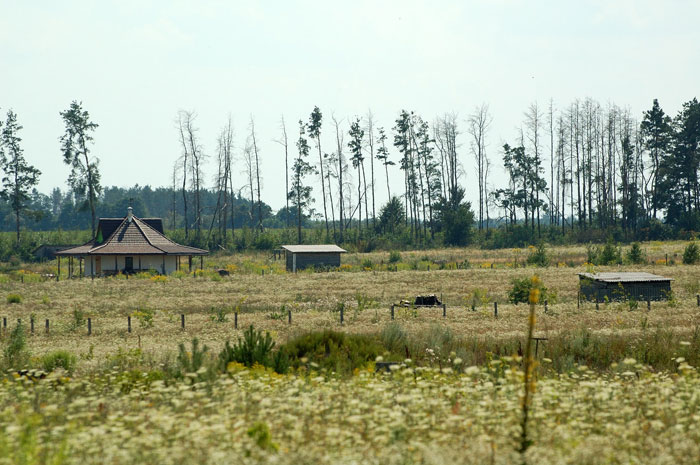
point(31, 325)
point(235, 320)
point(545, 306)
point(4, 323)
point(182, 321)
point(47, 326)
point(89, 326)
point(289, 316)
point(698, 298)
point(578, 299)
point(444, 311)
point(128, 323)
point(648, 304)
point(341, 316)
point(596, 303)
point(392, 312)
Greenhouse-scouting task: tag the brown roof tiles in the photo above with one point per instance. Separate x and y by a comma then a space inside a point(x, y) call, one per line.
point(135, 237)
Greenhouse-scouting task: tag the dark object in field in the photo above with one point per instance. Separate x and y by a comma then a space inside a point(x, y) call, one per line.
point(430, 300)
point(33, 375)
point(642, 287)
point(223, 272)
point(384, 366)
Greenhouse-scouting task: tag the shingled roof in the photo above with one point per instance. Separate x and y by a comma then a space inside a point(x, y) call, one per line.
point(132, 236)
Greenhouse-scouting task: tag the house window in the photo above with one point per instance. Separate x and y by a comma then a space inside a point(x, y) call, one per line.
point(128, 263)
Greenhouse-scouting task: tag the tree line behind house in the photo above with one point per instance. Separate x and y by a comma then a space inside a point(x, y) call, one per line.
point(582, 172)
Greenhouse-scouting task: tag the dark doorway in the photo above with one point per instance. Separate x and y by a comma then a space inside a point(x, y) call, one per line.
point(129, 264)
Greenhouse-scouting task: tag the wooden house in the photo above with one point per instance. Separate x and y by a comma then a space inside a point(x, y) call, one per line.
point(623, 286)
point(299, 257)
point(129, 245)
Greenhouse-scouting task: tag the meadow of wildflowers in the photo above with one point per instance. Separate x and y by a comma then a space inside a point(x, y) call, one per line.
point(411, 414)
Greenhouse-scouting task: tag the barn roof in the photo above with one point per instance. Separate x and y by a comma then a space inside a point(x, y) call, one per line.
point(319, 248)
point(132, 236)
point(624, 277)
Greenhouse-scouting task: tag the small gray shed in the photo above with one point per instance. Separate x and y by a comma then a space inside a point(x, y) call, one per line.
point(299, 257)
point(639, 286)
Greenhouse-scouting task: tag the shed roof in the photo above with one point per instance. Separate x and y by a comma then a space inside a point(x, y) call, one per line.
point(624, 277)
point(319, 248)
point(133, 236)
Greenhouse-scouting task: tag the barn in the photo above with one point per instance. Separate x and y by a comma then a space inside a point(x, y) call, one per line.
point(623, 286)
point(128, 245)
point(299, 257)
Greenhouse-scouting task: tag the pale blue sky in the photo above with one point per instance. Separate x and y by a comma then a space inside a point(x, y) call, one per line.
point(134, 64)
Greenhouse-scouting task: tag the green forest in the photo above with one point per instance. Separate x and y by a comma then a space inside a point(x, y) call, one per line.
point(585, 172)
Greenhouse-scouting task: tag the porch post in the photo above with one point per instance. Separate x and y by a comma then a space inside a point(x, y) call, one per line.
point(201, 262)
point(189, 260)
point(163, 264)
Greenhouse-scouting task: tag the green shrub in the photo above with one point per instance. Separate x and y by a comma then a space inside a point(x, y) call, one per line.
point(251, 349)
point(520, 292)
point(78, 319)
point(15, 353)
point(338, 352)
point(145, 316)
point(636, 255)
point(192, 361)
point(58, 359)
point(609, 255)
point(539, 256)
point(219, 314)
point(691, 254)
point(394, 256)
point(14, 299)
point(367, 264)
point(394, 338)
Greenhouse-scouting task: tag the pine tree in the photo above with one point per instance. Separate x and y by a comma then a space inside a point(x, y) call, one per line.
point(20, 177)
point(85, 176)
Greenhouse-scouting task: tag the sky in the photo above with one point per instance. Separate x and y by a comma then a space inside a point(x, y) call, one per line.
point(135, 64)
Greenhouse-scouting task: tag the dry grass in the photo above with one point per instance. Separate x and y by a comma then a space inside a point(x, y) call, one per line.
point(314, 299)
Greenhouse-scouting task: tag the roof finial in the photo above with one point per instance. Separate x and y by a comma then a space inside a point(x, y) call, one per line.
point(129, 214)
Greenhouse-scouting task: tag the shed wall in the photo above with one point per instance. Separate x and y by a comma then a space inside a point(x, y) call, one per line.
point(641, 291)
point(306, 260)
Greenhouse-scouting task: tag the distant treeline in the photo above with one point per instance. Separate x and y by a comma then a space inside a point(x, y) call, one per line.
point(585, 172)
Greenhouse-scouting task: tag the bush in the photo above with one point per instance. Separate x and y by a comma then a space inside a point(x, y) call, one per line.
point(610, 254)
point(58, 359)
point(14, 299)
point(539, 256)
point(15, 354)
point(691, 254)
point(394, 256)
point(219, 314)
point(636, 255)
point(145, 317)
point(78, 319)
point(191, 362)
point(333, 351)
point(253, 349)
point(520, 292)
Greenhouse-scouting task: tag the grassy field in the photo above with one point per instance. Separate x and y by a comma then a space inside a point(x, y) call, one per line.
point(616, 385)
point(314, 300)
